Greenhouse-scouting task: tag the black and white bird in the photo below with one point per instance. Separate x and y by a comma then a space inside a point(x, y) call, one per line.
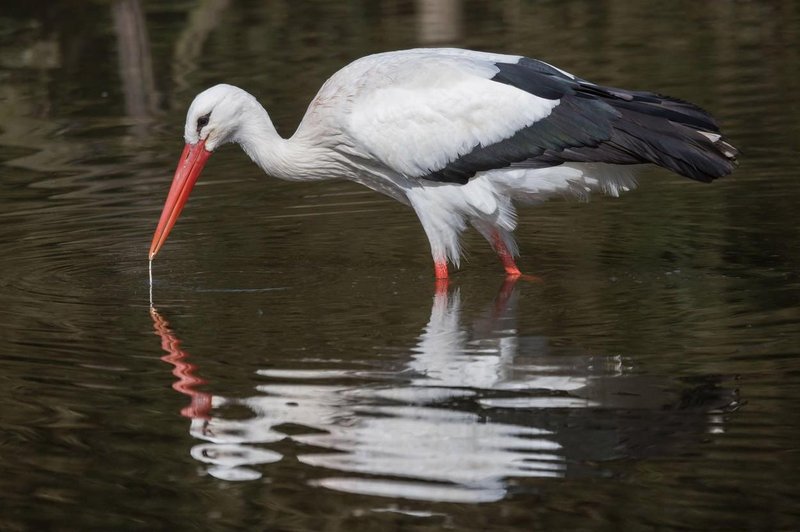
point(458, 136)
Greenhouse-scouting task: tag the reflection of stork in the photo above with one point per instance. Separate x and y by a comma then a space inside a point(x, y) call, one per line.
point(227, 455)
point(459, 136)
point(484, 357)
point(184, 370)
point(477, 405)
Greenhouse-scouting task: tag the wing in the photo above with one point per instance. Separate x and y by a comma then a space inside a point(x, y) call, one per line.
point(445, 115)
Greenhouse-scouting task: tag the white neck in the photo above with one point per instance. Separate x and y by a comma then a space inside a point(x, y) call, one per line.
point(293, 159)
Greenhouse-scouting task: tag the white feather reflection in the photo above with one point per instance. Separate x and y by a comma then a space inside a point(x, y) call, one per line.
point(473, 408)
point(448, 355)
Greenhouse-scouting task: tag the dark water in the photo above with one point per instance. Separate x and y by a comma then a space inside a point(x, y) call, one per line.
point(298, 371)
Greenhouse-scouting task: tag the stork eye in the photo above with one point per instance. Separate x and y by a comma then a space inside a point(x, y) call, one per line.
point(202, 122)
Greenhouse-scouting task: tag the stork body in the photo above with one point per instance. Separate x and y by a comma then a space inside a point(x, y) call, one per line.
point(459, 136)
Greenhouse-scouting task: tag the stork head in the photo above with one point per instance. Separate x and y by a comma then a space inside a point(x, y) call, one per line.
point(214, 118)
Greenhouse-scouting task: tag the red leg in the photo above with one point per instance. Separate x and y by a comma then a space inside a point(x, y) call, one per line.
point(442, 277)
point(505, 255)
point(512, 272)
point(440, 266)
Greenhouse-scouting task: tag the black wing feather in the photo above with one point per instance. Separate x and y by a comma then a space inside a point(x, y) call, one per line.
point(593, 123)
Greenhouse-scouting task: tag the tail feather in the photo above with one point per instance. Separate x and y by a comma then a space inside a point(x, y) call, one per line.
point(668, 132)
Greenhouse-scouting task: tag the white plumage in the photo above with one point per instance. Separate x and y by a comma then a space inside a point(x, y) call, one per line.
point(459, 136)
point(416, 116)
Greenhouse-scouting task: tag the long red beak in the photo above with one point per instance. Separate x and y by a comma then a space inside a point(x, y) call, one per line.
point(192, 161)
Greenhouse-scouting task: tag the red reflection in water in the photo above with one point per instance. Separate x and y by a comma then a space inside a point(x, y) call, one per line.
point(200, 405)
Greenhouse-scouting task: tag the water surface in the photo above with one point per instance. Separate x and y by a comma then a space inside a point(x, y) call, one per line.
point(297, 370)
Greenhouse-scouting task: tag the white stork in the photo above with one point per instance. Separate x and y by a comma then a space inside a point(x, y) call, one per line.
point(458, 135)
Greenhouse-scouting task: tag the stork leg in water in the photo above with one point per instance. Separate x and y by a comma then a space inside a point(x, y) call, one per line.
point(459, 136)
point(506, 255)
